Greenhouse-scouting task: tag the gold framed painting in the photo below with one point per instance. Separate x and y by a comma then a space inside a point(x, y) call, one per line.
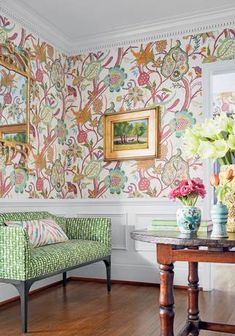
point(132, 135)
point(14, 134)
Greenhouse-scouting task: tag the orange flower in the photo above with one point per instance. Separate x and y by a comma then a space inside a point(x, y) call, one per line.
point(144, 56)
point(214, 180)
point(7, 79)
point(229, 175)
point(82, 116)
point(40, 51)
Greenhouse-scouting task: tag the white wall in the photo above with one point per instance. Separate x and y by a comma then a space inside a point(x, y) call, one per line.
point(131, 260)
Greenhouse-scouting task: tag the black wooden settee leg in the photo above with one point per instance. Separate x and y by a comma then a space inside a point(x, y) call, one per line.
point(64, 278)
point(107, 262)
point(23, 288)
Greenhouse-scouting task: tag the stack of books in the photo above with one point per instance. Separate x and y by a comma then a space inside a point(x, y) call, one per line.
point(171, 225)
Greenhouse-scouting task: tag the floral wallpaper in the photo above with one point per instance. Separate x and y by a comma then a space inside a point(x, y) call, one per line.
point(70, 95)
point(44, 176)
point(166, 73)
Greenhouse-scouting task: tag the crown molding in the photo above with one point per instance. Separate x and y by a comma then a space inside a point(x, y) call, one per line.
point(177, 26)
point(164, 29)
point(35, 24)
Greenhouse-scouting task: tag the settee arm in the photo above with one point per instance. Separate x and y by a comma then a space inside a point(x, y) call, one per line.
point(14, 253)
point(98, 229)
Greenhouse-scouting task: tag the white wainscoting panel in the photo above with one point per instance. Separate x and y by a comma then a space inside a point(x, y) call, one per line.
point(131, 260)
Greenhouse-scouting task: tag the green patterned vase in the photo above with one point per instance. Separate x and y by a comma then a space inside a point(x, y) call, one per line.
point(219, 216)
point(188, 219)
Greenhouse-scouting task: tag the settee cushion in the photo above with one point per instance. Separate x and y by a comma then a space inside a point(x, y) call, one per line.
point(41, 231)
point(19, 216)
point(51, 258)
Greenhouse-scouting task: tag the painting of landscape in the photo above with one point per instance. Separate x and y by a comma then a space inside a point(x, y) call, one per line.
point(20, 137)
point(129, 135)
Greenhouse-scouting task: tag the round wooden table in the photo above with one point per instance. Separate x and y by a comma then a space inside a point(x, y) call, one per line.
point(173, 246)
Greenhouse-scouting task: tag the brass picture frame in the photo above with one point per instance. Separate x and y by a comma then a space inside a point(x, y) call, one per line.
point(132, 135)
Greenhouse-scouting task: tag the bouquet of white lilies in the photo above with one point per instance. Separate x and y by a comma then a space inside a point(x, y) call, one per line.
point(213, 139)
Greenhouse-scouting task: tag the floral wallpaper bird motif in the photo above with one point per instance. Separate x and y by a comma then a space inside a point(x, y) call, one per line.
point(70, 95)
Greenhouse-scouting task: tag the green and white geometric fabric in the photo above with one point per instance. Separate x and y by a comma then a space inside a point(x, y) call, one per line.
point(89, 239)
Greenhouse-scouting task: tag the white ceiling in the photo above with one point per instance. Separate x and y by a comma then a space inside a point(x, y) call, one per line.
point(80, 21)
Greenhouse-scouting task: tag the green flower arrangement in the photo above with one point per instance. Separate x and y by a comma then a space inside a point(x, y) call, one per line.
point(213, 139)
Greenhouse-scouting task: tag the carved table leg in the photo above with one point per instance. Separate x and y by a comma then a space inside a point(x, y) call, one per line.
point(166, 300)
point(192, 326)
point(193, 293)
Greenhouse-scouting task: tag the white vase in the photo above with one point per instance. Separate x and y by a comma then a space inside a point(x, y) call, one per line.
point(188, 219)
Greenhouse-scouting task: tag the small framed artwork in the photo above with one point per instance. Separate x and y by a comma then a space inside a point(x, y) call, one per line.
point(131, 135)
point(14, 134)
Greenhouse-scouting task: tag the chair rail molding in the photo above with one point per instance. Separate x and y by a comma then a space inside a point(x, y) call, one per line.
point(218, 18)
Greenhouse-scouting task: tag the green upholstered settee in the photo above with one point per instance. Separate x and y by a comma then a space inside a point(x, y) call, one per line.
point(21, 264)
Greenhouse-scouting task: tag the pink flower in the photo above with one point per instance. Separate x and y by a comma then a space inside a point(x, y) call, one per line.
point(175, 193)
point(185, 190)
point(7, 98)
point(143, 78)
point(82, 136)
point(143, 184)
point(39, 75)
point(188, 191)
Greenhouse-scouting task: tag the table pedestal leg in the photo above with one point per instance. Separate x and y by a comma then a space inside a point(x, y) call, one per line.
point(166, 300)
point(192, 326)
point(193, 292)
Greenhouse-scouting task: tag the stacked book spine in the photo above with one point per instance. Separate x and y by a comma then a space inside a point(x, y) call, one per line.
point(171, 225)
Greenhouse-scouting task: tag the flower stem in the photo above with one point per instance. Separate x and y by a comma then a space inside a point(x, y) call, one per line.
point(189, 200)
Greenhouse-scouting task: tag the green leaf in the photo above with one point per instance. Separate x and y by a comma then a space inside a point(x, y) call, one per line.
point(148, 87)
point(165, 90)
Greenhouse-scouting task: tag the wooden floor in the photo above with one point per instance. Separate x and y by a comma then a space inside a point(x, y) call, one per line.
point(85, 309)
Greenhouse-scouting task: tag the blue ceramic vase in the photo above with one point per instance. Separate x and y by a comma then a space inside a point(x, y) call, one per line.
point(219, 217)
point(188, 219)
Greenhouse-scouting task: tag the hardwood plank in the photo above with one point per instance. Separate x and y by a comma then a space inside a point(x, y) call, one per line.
point(85, 309)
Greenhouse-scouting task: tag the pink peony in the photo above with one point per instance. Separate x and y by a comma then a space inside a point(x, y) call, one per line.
point(188, 191)
point(185, 190)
